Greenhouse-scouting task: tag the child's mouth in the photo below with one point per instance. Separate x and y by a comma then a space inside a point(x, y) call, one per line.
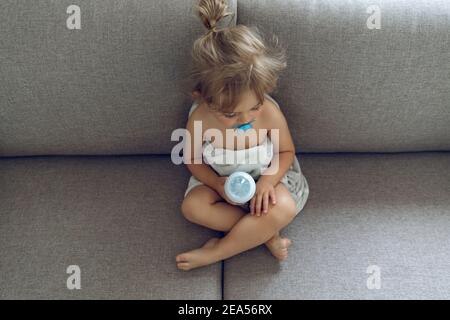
point(244, 126)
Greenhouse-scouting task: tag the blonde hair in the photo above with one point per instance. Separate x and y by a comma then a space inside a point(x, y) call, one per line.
point(228, 61)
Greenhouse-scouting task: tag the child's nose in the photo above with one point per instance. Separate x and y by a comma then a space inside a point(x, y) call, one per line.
point(244, 118)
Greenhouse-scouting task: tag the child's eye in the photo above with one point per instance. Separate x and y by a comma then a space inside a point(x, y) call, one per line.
point(257, 107)
point(230, 115)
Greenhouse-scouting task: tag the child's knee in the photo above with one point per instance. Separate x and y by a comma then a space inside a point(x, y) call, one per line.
point(195, 205)
point(285, 208)
point(188, 207)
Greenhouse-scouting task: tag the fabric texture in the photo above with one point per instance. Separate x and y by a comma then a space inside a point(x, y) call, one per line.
point(116, 217)
point(384, 213)
point(360, 103)
point(348, 88)
point(253, 161)
point(117, 85)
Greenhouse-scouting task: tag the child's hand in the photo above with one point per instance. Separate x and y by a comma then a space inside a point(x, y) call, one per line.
point(220, 189)
point(260, 201)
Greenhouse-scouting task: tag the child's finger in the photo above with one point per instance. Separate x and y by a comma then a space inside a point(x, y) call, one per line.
point(252, 206)
point(258, 204)
point(266, 202)
point(272, 195)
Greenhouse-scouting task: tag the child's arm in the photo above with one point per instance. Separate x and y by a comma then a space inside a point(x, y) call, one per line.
point(280, 163)
point(286, 149)
point(200, 170)
point(205, 174)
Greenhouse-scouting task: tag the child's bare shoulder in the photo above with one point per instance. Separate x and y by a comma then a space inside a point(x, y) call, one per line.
point(272, 115)
point(199, 114)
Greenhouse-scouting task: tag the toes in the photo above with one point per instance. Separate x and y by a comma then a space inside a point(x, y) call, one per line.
point(283, 255)
point(282, 258)
point(183, 265)
point(181, 257)
point(286, 243)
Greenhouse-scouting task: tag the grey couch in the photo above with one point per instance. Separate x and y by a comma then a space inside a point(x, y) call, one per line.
point(86, 116)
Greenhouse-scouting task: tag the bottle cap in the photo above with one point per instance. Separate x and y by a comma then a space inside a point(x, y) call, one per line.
point(240, 187)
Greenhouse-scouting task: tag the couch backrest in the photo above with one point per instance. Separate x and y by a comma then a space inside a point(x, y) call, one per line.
point(351, 88)
point(115, 85)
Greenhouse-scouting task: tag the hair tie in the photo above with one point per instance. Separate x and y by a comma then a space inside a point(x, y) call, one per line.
point(213, 29)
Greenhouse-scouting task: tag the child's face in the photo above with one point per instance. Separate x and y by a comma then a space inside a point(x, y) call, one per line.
point(246, 110)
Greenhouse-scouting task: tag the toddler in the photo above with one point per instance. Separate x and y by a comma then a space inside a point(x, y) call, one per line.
point(234, 70)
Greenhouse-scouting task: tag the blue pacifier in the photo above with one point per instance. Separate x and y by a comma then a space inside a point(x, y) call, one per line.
point(240, 187)
point(244, 127)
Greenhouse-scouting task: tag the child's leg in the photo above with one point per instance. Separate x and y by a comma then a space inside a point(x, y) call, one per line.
point(249, 232)
point(203, 206)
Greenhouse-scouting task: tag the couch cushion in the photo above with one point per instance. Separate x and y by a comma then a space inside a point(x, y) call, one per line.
point(351, 88)
point(386, 214)
point(117, 218)
point(115, 86)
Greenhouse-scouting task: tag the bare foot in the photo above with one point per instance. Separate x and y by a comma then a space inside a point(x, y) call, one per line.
point(198, 257)
point(279, 247)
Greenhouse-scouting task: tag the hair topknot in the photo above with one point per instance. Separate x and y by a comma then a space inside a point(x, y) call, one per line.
point(211, 12)
point(235, 59)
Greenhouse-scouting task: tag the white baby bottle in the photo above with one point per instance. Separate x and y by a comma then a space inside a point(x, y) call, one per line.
point(240, 187)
